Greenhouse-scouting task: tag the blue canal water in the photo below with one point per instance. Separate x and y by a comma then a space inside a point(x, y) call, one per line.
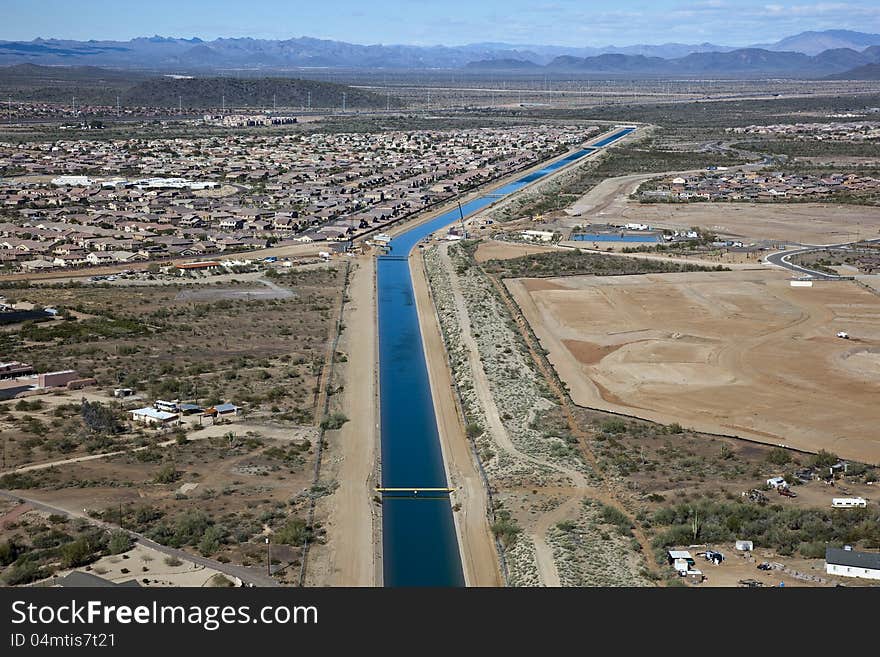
point(420, 547)
point(613, 237)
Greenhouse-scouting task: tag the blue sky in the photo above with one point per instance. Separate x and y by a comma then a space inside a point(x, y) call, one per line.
point(451, 22)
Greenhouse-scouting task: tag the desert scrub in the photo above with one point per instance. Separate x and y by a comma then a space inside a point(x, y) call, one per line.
point(591, 551)
point(522, 564)
point(520, 392)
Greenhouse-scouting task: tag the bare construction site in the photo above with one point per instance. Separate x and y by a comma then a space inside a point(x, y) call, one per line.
point(739, 353)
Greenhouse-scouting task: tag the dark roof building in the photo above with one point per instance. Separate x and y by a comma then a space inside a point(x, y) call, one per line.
point(850, 563)
point(80, 579)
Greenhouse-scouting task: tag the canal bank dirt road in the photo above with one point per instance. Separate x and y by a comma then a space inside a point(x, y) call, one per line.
point(476, 544)
point(349, 557)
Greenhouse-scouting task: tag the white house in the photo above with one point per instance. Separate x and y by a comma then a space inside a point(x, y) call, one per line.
point(849, 563)
point(537, 235)
point(150, 415)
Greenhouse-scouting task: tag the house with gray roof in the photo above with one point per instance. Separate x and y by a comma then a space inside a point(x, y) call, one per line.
point(847, 562)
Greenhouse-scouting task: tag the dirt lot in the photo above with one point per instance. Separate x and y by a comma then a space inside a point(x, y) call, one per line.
point(734, 353)
point(807, 223)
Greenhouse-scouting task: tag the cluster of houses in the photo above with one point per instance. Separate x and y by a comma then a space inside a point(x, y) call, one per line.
point(844, 131)
point(756, 186)
point(194, 197)
point(169, 413)
point(247, 120)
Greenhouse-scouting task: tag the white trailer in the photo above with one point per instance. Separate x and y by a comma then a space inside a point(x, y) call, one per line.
point(849, 502)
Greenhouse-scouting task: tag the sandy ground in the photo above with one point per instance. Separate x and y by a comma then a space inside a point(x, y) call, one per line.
point(744, 565)
point(350, 552)
point(739, 353)
point(479, 559)
point(150, 569)
point(807, 223)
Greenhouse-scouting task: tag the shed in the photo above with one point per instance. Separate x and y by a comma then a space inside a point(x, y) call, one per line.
point(745, 546)
point(672, 556)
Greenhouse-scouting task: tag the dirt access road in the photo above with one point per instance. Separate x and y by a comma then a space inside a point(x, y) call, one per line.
point(349, 557)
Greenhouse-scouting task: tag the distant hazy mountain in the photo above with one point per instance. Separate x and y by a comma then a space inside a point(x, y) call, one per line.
point(837, 51)
point(742, 62)
point(866, 72)
point(812, 43)
point(503, 65)
point(545, 54)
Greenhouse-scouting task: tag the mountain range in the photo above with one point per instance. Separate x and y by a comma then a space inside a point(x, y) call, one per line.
point(808, 54)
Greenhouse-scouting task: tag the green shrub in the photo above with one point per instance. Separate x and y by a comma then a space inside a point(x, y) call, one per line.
point(120, 542)
point(333, 421)
point(293, 532)
point(505, 528)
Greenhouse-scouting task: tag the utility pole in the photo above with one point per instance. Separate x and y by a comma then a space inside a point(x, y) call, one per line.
point(74, 105)
point(223, 105)
point(387, 101)
point(118, 113)
point(180, 104)
point(9, 107)
point(343, 102)
point(310, 101)
point(274, 103)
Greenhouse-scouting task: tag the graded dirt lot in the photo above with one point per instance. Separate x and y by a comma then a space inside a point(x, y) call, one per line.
point(805, 223)
point(738, 353)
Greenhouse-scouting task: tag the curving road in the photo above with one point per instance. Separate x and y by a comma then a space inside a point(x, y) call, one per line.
point(781, 259)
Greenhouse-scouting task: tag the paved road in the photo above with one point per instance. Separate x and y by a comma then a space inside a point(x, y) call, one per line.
point(246, 575)
point(781, 259)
